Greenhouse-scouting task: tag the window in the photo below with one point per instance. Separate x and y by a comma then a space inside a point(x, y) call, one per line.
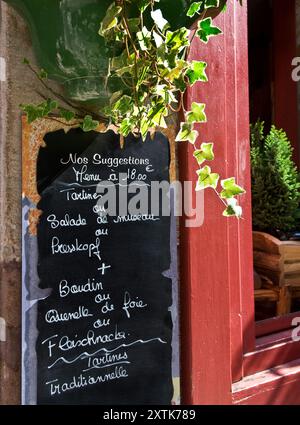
point(274, 100)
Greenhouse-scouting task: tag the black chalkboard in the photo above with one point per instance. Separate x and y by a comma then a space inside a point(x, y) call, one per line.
point(104, 332)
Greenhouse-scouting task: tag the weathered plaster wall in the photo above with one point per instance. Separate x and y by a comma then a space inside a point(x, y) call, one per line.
point(17, 85)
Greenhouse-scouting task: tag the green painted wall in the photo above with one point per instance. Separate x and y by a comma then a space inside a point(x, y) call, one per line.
point(66, 41)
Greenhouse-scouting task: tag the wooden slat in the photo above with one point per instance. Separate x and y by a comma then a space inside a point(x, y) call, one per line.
point(262, 294)
point(277, 386)
point(278, 260)
point(268, 261)
point(283, 351)
point(292, 268)
point(292, 279)
point(285, 302)
point(266, 243)
point(276, 276)
point(291, 252)
point(275, 324)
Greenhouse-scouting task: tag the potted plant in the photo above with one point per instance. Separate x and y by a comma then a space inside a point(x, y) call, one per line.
point(275, 198)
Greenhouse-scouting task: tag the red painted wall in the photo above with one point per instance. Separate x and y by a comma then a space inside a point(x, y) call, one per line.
point(217, 257)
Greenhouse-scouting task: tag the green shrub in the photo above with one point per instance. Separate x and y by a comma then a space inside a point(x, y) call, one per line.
point(275, 181)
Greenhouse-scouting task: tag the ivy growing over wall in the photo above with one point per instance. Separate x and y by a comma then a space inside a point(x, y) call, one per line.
point(150, 63)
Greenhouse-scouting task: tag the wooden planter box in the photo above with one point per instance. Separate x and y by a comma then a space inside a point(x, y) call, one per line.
point(280, 262)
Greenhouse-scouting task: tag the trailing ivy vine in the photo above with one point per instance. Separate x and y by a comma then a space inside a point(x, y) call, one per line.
point(150, 62)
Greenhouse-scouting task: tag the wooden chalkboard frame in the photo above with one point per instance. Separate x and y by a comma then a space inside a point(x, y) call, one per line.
point(32, 140)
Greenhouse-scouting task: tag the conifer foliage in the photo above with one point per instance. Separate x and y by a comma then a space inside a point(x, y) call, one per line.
point(275, 180)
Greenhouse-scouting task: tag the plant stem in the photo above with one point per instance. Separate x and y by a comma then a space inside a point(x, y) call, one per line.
point(126, 26)
point(62, 99)
point(49, 117)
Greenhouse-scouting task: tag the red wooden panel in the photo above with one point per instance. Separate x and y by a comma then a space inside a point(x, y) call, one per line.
point(271, 351)
point(244, 290)
point(276, 324)
point(216, 258)
point(279, 386)
point(285, 89)
point(273, 340)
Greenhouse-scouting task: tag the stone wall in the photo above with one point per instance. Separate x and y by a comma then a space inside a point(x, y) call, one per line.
point(17, 86)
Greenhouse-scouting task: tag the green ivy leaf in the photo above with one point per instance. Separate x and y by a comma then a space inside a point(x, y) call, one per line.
point(196, 72)
point(123, 105)
point(144, 39)
point(124, 70)
point(177, 40)
point(206, 153)
point(177, 71)
point(180, 84)
point(207, 30)
point(212, 3)
point(31, 112)
point(110, 20)
point(118, 62)
point(41, 110)
point(194, 8)
point(125, 127)
point(197, 113)
point(48, 106)
point(166, 94)
point(133, 24)
point(142, 75)
point(207, 179)
point(144, 128)
point(143, 4)
point(157, 113)
point(66, 114)
point(187, 133)
point(233, 209)
point(231, 189)
point(159, 20)
point(88, 124)
point(115, 96)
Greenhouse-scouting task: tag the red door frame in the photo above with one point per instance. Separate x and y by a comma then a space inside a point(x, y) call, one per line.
point(219, 345)
point(217, 256)
point(285, 112)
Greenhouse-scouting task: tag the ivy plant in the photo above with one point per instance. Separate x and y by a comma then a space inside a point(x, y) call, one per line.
point(150, 62)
